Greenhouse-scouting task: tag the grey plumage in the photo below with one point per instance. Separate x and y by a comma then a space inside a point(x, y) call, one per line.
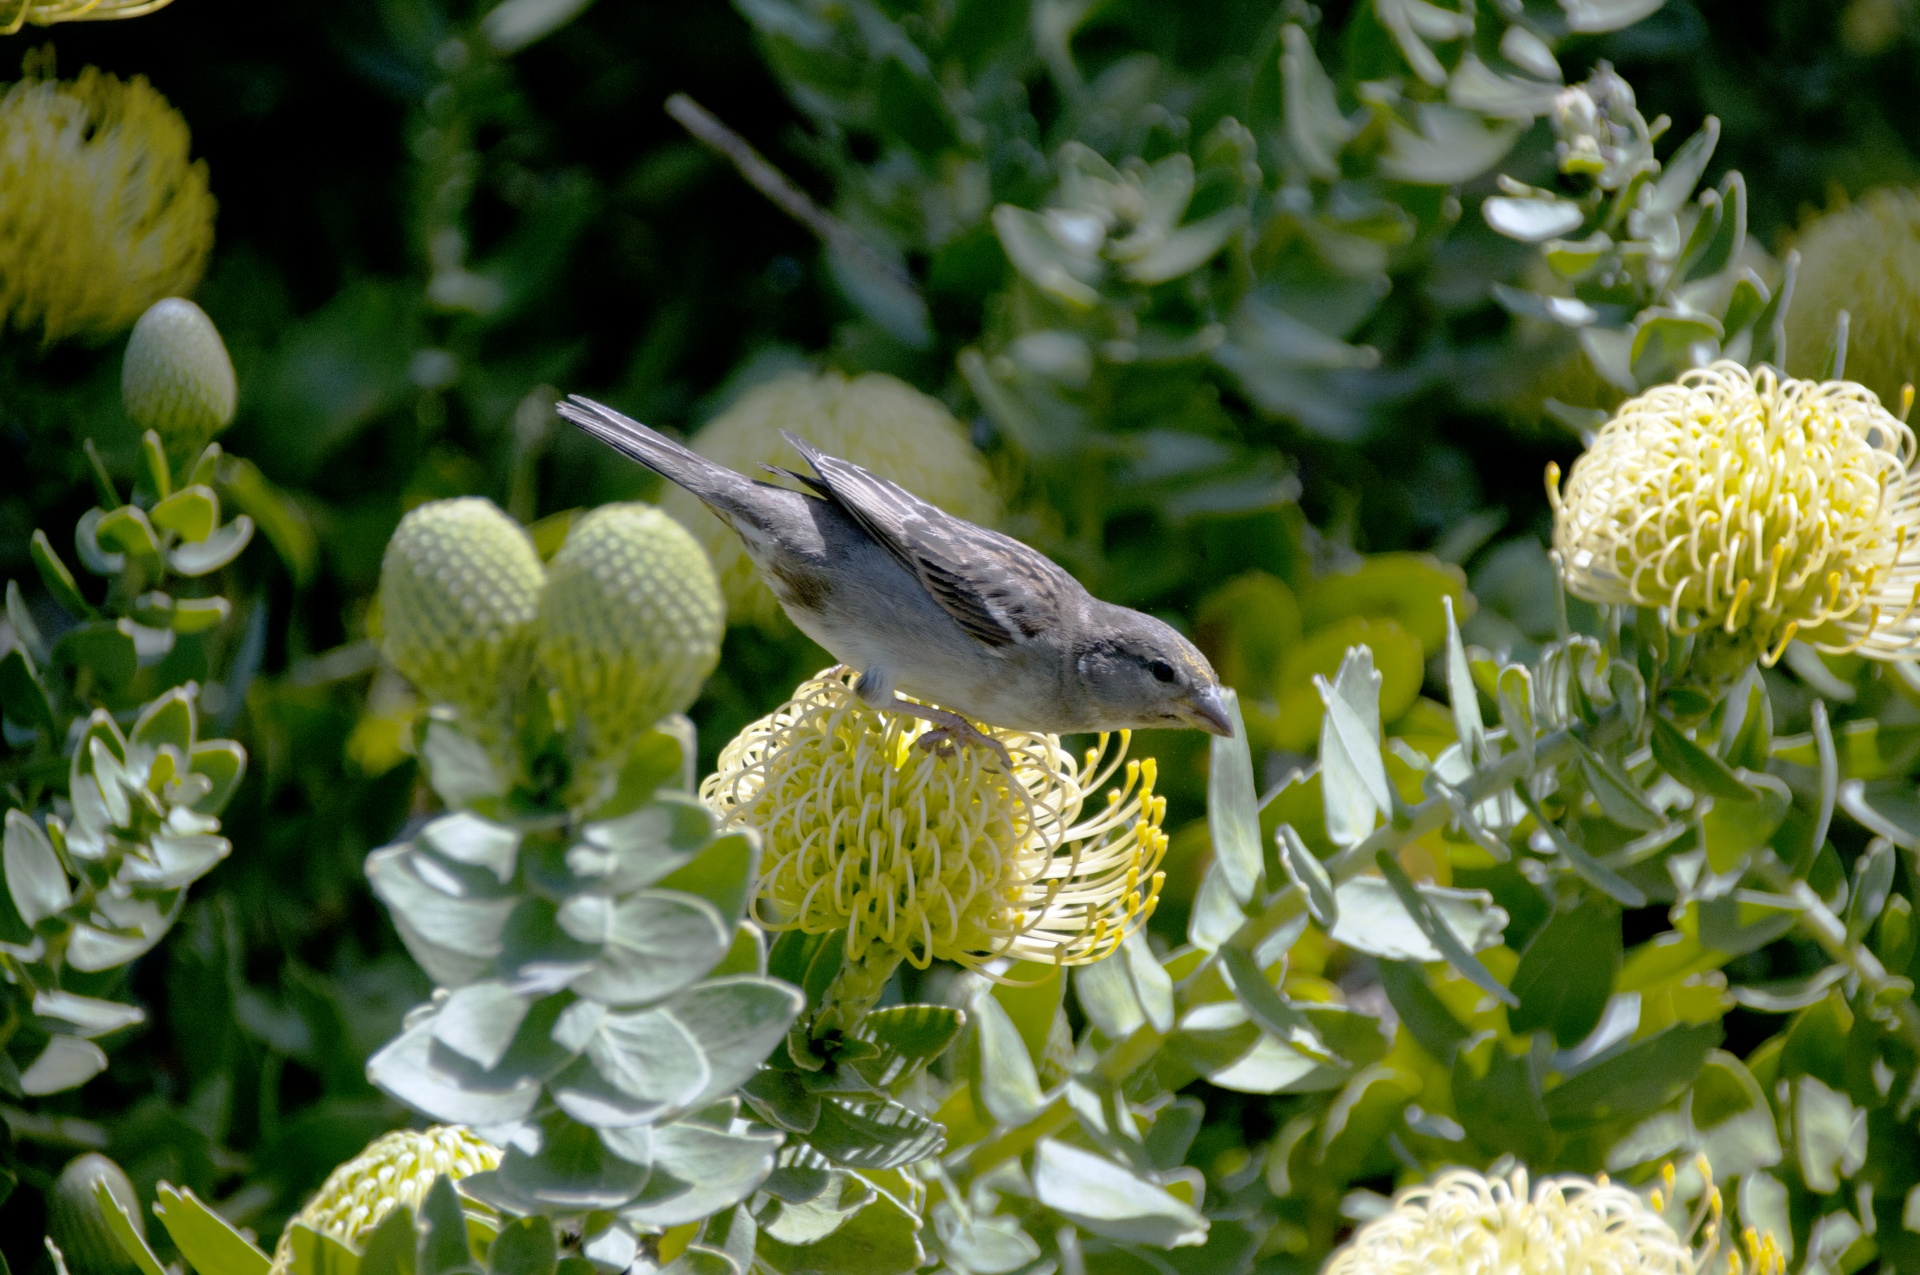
point(922, 602)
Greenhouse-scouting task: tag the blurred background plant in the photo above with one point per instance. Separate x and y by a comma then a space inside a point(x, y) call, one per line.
point(1265, 317)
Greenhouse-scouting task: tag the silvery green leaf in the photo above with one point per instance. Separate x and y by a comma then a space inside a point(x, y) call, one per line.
point(737, 1022)
point(1683, 171)
point(458, 766)
point(1419, 908)
point(93, 555)
point(166, 722)
point(1315, 126)
point(813, 1220)
point(208, 1241)
point(909, 1037)
point(512, 25)
point(1514, 697)
point(173, 861)
point(1763, 1205)
point(1730, 1118)
point(874, 1135)
point(1309, 874)
point(1151, 982)
point(1110, 1200)
point(1468, 725)
point(1042, 259)
point(1475, 86)
point(652, 944)
point(880, 287)
point(1186, 249)
point(611, 1247)
point(525, 1246)
point(1593, 16)
point(984, 1245)
point(67, 1062)
point(1373, 920)
point(93, 949)
point(318, 1252)
point(34, 876)
point(1107, 997)
point(1568, 312)
point(1451, 146)
point(1233, 815)
point(443, 1247)
point(1268, 1009)
point(85, 1015)
point(574, 1169)
point(1353, 776)
point(452, 929)
point(1004, 1078)
point(406, 1068)
point(722, 874)
point(640, 848)
point(1217, 916)
point(200, 557)
point(223, 763)
point(1829, 1135)
point(1872, 885)
point(467, 838)
point(649, 1058)
point(1222, 1044)
point(479, 1021)
point(697, 1171)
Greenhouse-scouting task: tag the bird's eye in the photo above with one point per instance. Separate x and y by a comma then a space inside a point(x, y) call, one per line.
point(1162, 671)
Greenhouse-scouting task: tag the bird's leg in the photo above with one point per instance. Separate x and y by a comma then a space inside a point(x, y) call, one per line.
point(948, 728)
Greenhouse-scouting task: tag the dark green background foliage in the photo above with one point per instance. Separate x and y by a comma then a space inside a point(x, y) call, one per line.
point(419, 244)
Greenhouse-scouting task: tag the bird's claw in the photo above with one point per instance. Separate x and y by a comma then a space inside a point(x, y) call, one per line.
point(944, 740)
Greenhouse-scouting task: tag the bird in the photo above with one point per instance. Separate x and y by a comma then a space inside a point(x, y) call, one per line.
point(915, 600)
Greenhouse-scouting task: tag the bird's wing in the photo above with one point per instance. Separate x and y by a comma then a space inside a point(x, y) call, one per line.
point(999, 590)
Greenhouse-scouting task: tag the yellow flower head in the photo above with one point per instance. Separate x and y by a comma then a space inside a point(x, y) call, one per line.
point(938, 853)
point(396, 1168)
point(1466, 1224)
point(872, 420)
point(1765, 507)
point(44, 13)
point(101, 212)
point(1864, 259)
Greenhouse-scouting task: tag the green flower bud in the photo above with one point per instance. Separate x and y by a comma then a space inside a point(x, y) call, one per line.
point(395, 1169)
point(459, 592)
point(176, 378)
point(631, 622)
point(1864, 259)
point(872, 420)
point(75, 1221)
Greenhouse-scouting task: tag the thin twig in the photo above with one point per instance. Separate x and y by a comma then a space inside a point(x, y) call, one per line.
point(780, 189)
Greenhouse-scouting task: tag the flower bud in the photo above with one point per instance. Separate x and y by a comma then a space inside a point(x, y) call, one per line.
point(873, 420)
point(395, 1169)
point(1864, 259)
point(631, 621)
point(76, 1223)
point(459, 591)
point(176, 378)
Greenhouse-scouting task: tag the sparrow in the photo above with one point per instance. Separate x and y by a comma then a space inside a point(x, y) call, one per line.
point(916, 600)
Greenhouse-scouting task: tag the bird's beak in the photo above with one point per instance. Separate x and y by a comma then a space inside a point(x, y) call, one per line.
point(1207, 710)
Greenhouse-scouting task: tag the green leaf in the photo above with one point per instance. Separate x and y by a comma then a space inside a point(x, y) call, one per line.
point(198, 558)
point(388, 1249)
point(58, 580)
point(1268, 1009)
point(22, 698)
point(1310, 875)
point(1637, 1080)
point(192, 513)
point(1233, 817)
point(1374, 919)
point(1004, 1077)
point(1733, 829)
point(102, 647)
point(1353, 777)
point(1829, 1135)
point(1693, 765)
point(525, 1246)
point(128, 531)
point(316, 1252)
point(207, 1240)
point(444, 1248)
point(909, 1037)
point(34, 876)
point(1434, 925)
point(722, 874)
point(224, 763)
point(1590, 869)
point(697, 1171)
point(1467, 722)
point(874, 1135)
point(880, 1239)
point(1497, 1099)
point(652, 943)
point(1110, 1200)
point(120, 1223)
point(1731, 1119)
point(1566, 974)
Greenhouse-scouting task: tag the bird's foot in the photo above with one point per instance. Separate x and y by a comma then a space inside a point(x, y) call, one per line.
point(951, 731)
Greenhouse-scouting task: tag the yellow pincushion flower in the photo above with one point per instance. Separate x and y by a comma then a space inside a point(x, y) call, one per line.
point(873, 420)
point(101, 211)
point(44, 13)
point(1466, 1224)
point(924, 854)
point(1864, 259)
point(1754, 505)
point(395, 1169)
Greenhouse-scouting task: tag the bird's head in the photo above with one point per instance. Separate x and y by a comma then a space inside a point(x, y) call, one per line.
point(1140, 674)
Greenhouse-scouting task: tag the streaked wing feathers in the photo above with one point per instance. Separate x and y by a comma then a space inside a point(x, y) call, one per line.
point(1000, 591)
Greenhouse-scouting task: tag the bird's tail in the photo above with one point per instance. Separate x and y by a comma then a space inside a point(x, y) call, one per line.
point(721, 488)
